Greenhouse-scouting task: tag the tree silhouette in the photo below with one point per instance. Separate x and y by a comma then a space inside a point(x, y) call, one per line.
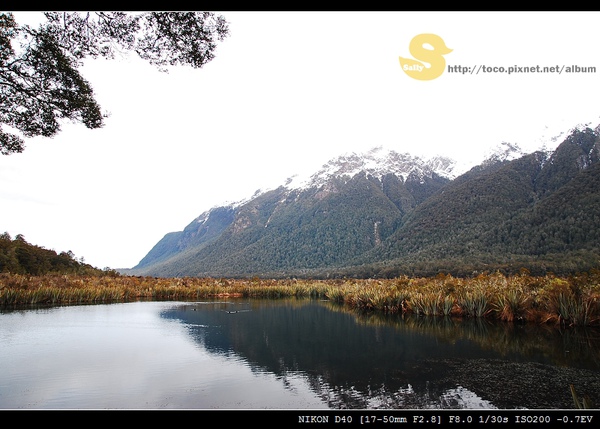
point(40, 84)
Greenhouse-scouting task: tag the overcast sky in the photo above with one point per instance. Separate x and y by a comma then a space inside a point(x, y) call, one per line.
point(285, 93)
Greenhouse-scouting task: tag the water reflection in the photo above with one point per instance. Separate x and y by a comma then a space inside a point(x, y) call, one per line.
point(377, 361)
point(287, 354)
point(125, 356)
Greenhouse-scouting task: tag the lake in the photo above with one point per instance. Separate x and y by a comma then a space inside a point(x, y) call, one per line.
point(284, 354)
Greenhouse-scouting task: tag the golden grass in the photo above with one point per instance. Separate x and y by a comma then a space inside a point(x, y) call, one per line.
point(572, 301)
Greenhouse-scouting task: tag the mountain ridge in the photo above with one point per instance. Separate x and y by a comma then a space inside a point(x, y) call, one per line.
point(383, 213)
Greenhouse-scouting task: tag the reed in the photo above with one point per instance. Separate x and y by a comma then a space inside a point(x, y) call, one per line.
point(336, 294)
point(574, 310)
point(581, 402)
point(571, 304)
point(475, 303)
point(425, 304)
point(398, 301)
point(447, 305)
point(572, 301)
point(511, 305)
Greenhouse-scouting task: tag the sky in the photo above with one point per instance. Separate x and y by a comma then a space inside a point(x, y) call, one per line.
point(286, 92)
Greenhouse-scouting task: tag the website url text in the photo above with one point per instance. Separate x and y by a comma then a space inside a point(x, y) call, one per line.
point(519, 69)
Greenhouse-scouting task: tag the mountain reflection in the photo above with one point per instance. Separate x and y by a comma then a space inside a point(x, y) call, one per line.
point(377, 361)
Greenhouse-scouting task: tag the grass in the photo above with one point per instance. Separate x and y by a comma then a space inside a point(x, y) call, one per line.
point(581, 402)
point(568, 301)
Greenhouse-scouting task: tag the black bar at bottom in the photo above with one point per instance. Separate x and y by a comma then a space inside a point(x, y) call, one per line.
point(337, 418)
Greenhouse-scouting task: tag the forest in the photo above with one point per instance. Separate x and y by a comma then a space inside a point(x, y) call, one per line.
point(17, 256)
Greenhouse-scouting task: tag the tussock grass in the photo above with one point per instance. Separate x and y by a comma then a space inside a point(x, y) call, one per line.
point(569, 301)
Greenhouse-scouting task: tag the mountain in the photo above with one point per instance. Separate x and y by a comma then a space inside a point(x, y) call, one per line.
point(376, 163)
point(351, 204)
point(383, 213)
point(503, 152)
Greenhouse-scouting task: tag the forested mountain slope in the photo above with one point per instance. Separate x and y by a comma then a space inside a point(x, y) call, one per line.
point(384, 214)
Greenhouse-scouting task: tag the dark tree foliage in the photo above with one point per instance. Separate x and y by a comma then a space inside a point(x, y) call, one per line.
point(17, 256)
point(40, 84)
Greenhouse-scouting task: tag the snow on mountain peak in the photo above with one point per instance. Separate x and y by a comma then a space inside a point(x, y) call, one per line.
point(376, 162)
point(504, 152)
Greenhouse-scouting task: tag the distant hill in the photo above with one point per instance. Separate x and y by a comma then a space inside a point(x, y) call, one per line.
point(17, 256)
point(384, 214)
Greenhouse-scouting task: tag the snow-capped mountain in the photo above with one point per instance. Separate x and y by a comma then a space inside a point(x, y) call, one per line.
point(377, 163)
point(384, 212)
point(503, 152)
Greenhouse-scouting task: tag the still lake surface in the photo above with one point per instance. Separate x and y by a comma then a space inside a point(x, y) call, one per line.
point(284, 354)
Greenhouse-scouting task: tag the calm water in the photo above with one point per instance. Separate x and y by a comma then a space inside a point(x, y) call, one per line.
point(283, 355)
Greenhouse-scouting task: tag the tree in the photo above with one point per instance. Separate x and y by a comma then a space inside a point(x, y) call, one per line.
point(40, 84)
